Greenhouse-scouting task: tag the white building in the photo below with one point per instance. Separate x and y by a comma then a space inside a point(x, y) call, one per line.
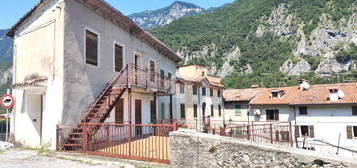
point(324, 116)
point(65, 54)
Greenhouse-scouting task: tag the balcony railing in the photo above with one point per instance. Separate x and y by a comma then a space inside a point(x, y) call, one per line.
point(136, 77)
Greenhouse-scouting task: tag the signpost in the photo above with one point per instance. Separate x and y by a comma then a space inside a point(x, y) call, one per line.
point(7, 101)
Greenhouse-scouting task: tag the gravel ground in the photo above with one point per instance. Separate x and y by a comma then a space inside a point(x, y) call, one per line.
point(18, 158)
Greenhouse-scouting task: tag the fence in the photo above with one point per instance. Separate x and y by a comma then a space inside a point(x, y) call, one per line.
point(147, 142)
point(279, 133)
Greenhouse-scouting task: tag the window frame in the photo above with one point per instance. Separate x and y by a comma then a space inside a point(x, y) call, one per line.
point(98, 46)
point(303, 107)
point(235, 110)
point(219, 110)
point(273, 113)
point(354, 131)
point(212, 110)
point(195, 91)
point(203, 91)
point(123, 55)
point(354, 113)
point(184, 111)
point(181, 88)
point(195, 110)
point(219, 93)
point(211, 92)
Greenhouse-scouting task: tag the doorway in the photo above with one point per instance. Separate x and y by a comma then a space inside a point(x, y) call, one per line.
point(119, 112)
point(138, 119)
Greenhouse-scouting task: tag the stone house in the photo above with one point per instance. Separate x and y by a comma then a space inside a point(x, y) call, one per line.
point(67, 53)
point(324, 116)
point(198, 95)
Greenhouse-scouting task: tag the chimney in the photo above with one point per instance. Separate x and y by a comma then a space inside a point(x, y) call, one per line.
point(303, 84)
point(336, 94)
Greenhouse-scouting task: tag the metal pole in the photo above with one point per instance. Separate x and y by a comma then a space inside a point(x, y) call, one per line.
point(7, 121)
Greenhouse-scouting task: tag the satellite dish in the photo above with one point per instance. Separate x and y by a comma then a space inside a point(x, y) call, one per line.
point(304, 86)
point(257, 112)
point(340, 94)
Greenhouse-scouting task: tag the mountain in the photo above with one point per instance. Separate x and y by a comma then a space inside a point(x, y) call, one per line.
point(154, 18)
point(5, 61)
point(5, 47)
point(270, 42)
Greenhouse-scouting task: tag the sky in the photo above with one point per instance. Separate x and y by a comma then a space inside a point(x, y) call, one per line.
point(12, 10)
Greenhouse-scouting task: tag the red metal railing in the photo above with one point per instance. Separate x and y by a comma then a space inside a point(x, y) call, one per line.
point(279, 133)
point(147, 142)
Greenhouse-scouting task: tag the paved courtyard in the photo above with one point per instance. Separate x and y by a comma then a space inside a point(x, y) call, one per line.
point(18, 158)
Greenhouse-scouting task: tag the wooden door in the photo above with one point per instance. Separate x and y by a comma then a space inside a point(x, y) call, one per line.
point(138, 120)
point(138, 112)
point(119, 111)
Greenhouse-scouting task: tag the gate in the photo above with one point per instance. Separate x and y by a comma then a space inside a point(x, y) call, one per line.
point(146, 142)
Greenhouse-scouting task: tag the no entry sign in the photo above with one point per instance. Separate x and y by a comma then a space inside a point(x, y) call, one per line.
point(7, 101)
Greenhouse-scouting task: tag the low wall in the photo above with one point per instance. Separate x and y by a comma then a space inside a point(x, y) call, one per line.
point(189, 149)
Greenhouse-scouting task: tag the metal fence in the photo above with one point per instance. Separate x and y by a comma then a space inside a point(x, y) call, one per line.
point(147, 142)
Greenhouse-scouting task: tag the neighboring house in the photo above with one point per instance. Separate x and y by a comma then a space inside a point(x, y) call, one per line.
point(325, 116)
point(236, 103)
point(198, 95)
point(67, 53)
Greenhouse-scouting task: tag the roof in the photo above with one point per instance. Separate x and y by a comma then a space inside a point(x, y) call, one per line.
point(316, 94)
point(30, 82)
point(116, 17)
point(214, 81)
point(187, 65)
point(241, 94)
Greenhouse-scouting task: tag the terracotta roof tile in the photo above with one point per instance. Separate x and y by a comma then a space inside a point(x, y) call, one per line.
point(241, 94)
point(316, 94)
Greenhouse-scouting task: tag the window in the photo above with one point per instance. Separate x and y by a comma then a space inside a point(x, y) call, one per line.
point(354, 110)
point(169, 75)
point(118, 51)
point(182, 88)
point(183, 110)
point(212, 112)
point(152, 71)
point(238, 109)
point(91, 48)
point(211, 92)
point(195, 110)
point(351, 132)
point(203, 91)
point(275, 94)
point(303, 110)
point(219, 93)
point(162, 76)
point(219, 110)
point(272, 115)
point(194, 89)
point(307, 130)
point(162, 111)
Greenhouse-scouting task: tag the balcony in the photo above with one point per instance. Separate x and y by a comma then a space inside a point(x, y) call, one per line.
point(145, 81)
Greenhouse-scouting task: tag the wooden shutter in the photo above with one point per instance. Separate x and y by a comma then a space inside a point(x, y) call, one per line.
point(297, 131)
point(91, 48)
point(276, 115)
point(118, 58)
point(152, 71)
point(349, 132)
point(311, 131)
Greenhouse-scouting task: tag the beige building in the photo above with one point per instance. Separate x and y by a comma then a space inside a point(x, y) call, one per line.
point(73, 56)
point(199, 95)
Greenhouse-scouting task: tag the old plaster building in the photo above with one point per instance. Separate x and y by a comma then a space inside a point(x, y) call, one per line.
point(199, 96)
point(71, 56)
point(325, 116)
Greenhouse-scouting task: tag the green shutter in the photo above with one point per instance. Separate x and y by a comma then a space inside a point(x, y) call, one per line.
point(238, 110)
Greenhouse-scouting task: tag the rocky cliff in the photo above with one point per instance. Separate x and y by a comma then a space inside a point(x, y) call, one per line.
point(159, 17)
point(259, 37)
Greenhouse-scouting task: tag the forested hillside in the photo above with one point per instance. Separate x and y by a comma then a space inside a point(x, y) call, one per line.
point(271, 42)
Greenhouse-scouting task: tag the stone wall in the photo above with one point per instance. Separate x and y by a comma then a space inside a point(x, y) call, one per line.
point(189, 149)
